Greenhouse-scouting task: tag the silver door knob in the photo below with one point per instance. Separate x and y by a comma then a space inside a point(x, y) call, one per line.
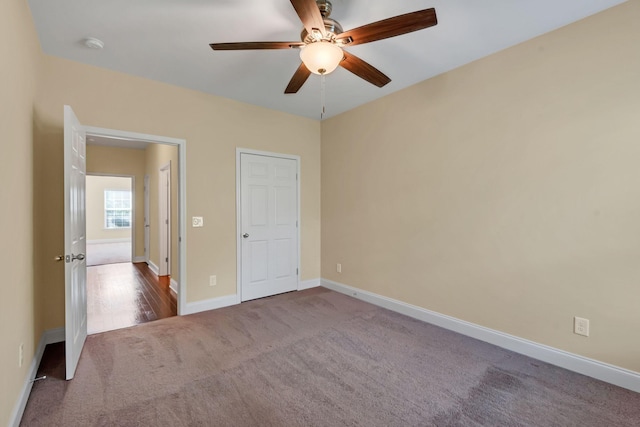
point(245, 235)
point(78, 257)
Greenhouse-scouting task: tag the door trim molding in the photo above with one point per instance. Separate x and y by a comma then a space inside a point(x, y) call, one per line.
point(182, 196)
point(239, 152)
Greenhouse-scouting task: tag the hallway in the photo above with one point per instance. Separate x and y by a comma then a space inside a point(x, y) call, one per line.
point(126, 294)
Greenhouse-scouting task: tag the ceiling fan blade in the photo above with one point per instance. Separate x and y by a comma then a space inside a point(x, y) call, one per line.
point(310, 15)
point(299, 77)
point(364, 70)
point(391, 27)
point(255, 45)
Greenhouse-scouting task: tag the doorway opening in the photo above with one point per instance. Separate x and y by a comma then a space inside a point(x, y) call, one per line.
point(129, 288)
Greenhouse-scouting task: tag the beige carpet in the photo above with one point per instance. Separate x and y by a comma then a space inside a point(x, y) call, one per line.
point(108, 253)
point(314, 358)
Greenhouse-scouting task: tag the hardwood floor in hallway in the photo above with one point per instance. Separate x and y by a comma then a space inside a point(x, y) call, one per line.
point(126, 294)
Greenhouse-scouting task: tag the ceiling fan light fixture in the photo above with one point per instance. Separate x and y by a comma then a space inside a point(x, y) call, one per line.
point(321, 57)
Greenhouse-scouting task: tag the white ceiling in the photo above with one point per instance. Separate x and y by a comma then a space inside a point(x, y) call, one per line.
point(168, 40)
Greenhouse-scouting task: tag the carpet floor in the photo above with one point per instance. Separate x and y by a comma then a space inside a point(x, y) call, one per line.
point(315, 358)
point(108, 253)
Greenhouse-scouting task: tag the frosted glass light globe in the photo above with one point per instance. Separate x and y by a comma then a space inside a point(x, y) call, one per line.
point(321, 57)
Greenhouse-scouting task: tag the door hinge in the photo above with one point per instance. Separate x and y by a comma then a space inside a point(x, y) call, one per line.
point(166, 260)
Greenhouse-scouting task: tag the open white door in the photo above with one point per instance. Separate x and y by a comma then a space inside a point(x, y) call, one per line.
point(75, 270)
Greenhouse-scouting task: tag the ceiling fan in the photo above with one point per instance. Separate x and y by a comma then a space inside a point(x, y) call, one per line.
point(322, 40)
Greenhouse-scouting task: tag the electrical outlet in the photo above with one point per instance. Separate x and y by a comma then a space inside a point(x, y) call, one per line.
point(213, 280)
point(581, 326)
point(197, 221)
point(339, 268)
point(20, 355)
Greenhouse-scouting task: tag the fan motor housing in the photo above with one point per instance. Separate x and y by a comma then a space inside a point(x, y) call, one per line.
point(332, 27)
point(325, 7)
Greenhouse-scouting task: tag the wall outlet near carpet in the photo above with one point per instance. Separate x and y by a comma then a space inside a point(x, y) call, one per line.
point(197, 221)
point(339, 268)
point(213, 280)
point(581, 326)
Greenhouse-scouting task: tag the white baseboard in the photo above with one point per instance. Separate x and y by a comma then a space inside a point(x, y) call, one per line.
point(570, 361)
point(308, 284)
point(139, 259)
point(153, 267)
point(173, 285)
point(100, 241)
point(210, 304)
point(48, 337)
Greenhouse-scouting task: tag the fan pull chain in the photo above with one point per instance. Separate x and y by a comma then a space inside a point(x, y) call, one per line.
point(322, 95)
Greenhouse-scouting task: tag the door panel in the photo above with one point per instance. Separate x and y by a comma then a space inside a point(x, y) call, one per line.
point(164, 202)
point(74, 240)
point(259, 261)
point(268, 204)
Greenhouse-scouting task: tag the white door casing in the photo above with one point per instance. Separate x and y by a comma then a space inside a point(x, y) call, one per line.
point(268, 225)
point(164, 203)
point(74, 240)
point(181, 144)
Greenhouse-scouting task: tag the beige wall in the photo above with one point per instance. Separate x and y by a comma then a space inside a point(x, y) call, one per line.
point(157, 156)
point(213, 127)
point(123, 161)
point(505, 193)
point(20, 53)
point(95, 188)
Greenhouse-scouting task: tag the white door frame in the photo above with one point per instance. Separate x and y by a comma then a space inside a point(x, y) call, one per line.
point(239, 152)
point(164, 230)
point(133, 207)
point(146, 223)
point(182, 197)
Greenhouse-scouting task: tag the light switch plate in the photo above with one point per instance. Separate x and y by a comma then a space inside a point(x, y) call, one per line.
point(197, 221)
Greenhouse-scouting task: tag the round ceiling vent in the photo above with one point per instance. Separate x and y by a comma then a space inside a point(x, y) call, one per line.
point(93, 43)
